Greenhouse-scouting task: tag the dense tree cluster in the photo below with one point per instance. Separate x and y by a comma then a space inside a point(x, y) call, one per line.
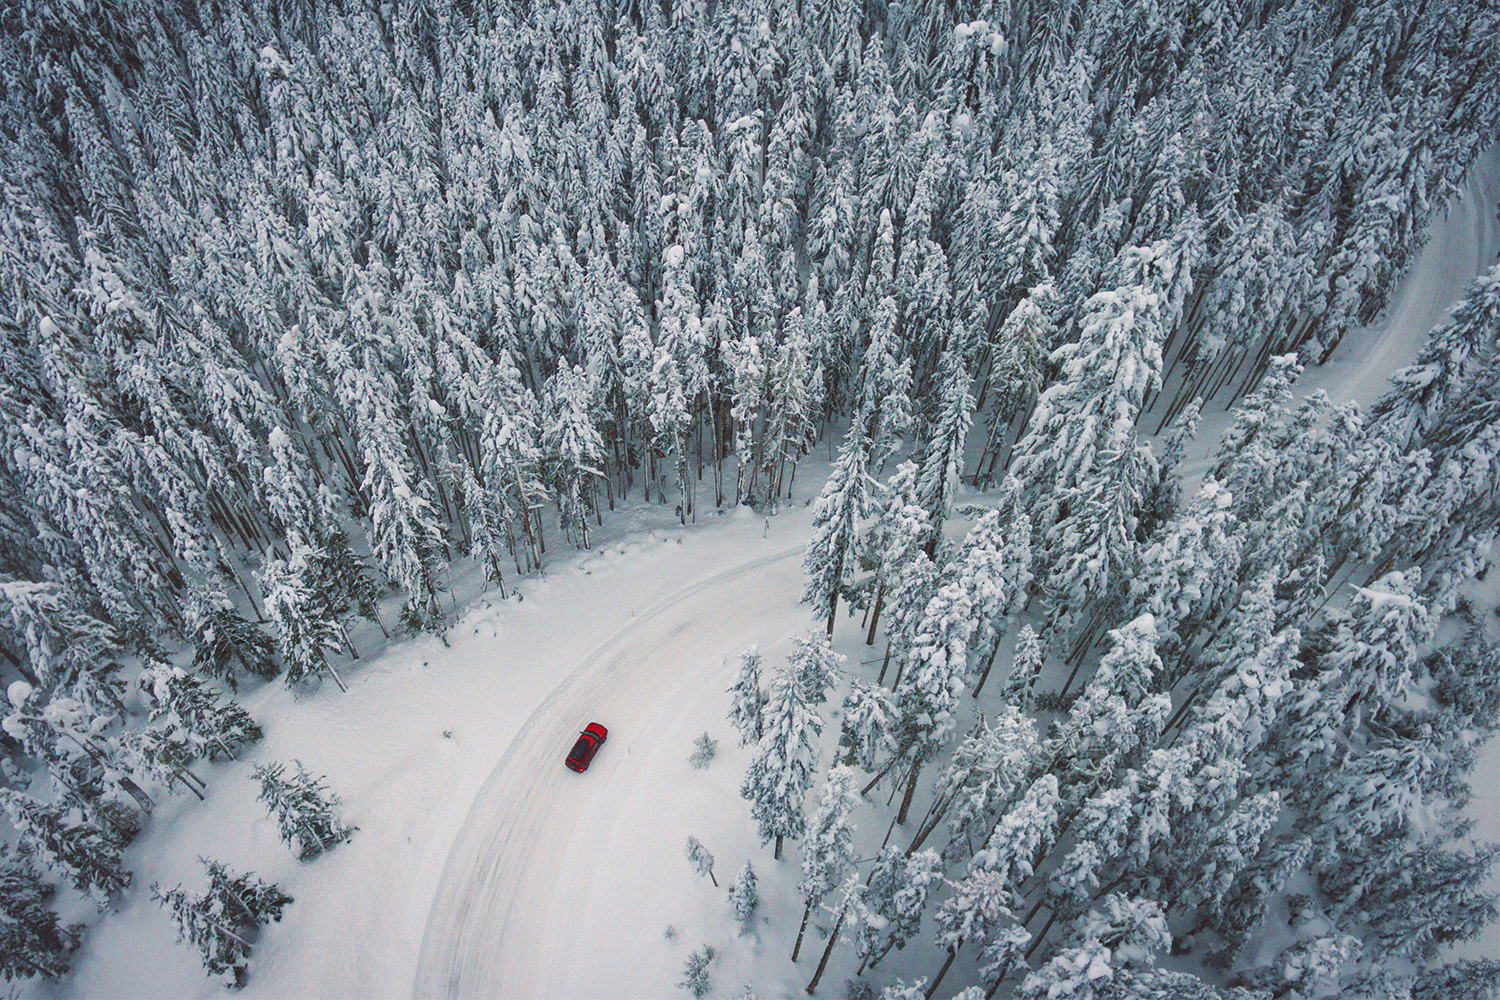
point(300, 302)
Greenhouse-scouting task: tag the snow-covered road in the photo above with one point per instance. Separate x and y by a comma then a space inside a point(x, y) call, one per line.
point(549, 866)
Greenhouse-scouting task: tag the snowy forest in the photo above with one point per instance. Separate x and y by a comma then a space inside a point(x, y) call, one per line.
point(303, 304)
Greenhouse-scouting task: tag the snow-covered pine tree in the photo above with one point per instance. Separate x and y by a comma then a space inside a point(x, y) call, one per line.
point(1369, 655)
point(976, 911)
point(1114, 717)
point(790, 415)
point(306, 812)
point(60, 835)
point(747, 699)
point(700, 859)
point(304, 624)
point(32, 942)
point(981, 778)
point(1422, 392)
point(224, 922)
point(815, 665)
point(897, 897)
point(929, 690)
point(1165, 494)
point(695, 978)
point(1018, 357)
point(943, 461)
point(61, 643)
point(1077, 462)
point(828, 846)
point(574, 451)
point(830, 560)
point(1245, 450)
point(895, 543)
point(205, 722)
point(345, 579)
point(743, 896)
point(1183, 579)
point(221, 638)
point(868, 713)
point(1022, 836)
point(1121, 933)
point(704, 749)
point(785, 761)
point(1026, 665)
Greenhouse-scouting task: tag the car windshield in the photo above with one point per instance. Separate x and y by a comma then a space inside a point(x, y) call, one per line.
point(580, 749)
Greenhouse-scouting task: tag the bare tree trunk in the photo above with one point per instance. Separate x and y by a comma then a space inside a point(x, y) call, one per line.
point(947, 964)
point(988, 663)
point(802, 929)
point(911, 788)
point(875, 616)
point(833, 939)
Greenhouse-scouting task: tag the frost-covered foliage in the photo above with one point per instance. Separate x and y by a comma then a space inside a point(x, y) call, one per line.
point(224, 922)
point(306, 812)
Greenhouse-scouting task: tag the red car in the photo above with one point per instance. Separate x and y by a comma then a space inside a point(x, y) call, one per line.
point(589, 742)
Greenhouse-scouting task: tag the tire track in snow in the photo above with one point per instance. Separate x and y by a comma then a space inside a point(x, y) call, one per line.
point(506, 895)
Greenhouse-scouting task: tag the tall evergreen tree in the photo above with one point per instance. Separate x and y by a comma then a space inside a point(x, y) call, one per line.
point(225, 922)
point(306, 812)
point(785, 760)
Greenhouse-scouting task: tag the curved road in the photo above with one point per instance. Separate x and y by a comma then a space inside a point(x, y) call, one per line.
point(525, 859)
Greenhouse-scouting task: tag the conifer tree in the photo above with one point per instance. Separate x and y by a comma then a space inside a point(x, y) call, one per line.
point(1020, 683)
point(743, 896)
point(32, 942)
point(786, 758)
point(747, 698)
point(1077, 462)
point(828, 847)
point(303, 622)
point(74, 845)
point(307, 814)
point(221, 638)
point(943, 463)
point(574, 450)
point(695, 972)
point(1422, 392)
point(897, 895)
point(933, 682)
point(216, 727)
point(700, 859)
point(225, 922)
point(868, 713)
point(829, 561)
point(815, 666)
point(894, 543)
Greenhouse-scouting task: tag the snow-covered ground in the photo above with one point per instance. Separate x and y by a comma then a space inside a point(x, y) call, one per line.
point(482, 866)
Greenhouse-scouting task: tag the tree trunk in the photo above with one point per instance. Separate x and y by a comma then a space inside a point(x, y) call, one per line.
point(988, 663)
point(348, 643)
point(777, 855)
point(335, 675)
point(833, 939)
point(802, 929)
point(947, 964)
point(833, 598)
point(911, 789)
point(875, 617)
point(876, 780)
